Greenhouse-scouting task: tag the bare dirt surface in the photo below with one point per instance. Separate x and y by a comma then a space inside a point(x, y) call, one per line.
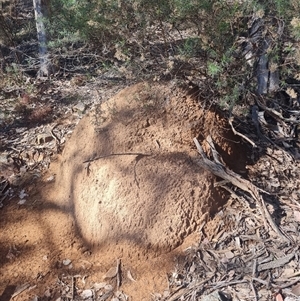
point(138, 198)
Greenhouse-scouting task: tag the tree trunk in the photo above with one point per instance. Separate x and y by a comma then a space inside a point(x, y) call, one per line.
point(45, 65)
point(257, 49)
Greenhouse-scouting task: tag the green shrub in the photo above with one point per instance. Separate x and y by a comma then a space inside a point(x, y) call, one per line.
point(214, 26)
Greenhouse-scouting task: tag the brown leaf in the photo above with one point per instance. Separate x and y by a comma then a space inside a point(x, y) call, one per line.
point(129, 275)
point(111, 273)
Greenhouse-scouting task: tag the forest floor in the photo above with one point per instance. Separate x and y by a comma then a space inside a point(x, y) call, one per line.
point(223, 245)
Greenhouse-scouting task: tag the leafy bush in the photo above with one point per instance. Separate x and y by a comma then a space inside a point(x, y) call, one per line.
point(127, 29)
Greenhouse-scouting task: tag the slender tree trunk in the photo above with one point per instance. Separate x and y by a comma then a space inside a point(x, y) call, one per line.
point(45, 66)
point(266, 74)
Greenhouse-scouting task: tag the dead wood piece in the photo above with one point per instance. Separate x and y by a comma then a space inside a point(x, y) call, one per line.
point(119, 279)
point(254, 291)
point(220, 284)
point(218, 169)
point(283, 286)
point(276, 115)
point(240, 134)
point(264, 137)
point(275, 263)
point(20, 289)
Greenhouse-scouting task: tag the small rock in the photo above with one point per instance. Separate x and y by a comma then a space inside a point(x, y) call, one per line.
point(50, 179)
point(80, 107)
point(22, 194)
point(22, 202)
point(86, 294)
point(66, 262)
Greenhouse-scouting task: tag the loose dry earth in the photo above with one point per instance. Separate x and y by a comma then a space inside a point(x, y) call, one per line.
point(127, 187)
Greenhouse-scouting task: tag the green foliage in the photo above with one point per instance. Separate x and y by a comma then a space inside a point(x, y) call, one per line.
point(190, 47)
point(218, 24)
point(213, 69)
point(228, 101)
point(181, 30)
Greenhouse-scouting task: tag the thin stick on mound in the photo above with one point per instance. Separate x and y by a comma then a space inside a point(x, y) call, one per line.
point(218, 169)
point(238, 133)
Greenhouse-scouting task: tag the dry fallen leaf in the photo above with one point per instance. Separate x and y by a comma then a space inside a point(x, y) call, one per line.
point(130, 276)
point(291, 92)
point(111, 273)
point(297, 216)
point(287, 272)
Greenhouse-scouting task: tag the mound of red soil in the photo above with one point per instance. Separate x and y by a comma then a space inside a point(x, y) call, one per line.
point(128, 175)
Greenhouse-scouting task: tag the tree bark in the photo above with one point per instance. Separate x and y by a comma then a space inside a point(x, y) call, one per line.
point(45, 65)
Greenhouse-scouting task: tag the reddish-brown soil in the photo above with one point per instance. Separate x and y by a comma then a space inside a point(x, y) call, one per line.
point(139, 198)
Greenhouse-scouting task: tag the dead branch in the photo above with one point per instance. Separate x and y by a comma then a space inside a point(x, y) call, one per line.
point(218, 169)
point(240, 134)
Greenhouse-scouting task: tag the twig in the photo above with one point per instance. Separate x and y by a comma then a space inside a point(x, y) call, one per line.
point(72, 288)
point(240, 134)
point(285, 285)
point(276, 263)
point(254, 267)
point(119, 280)
point(221, 284)
point(261, 281)
point(254, 291)
point(20, 289)
point(140, 155)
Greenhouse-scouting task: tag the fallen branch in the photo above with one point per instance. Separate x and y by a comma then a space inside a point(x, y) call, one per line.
point(235, 132)
point(218, 169)
point(20, 289)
